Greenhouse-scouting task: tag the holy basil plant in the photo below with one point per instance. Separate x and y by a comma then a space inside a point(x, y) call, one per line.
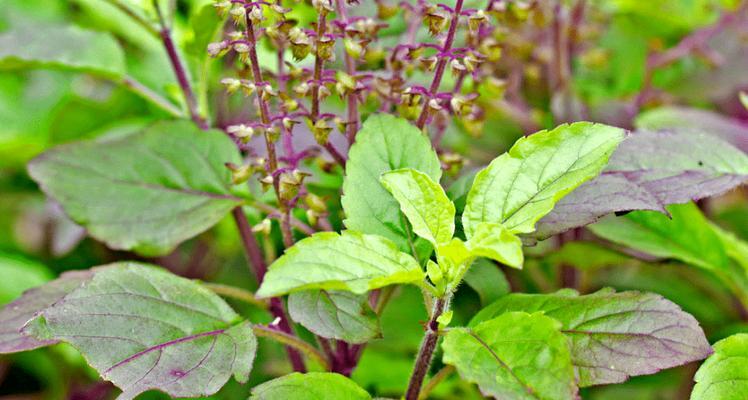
point(142, 327)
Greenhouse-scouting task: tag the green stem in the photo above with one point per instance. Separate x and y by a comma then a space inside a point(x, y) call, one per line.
point(292, 341)
point(236, 293)
point(147, 94)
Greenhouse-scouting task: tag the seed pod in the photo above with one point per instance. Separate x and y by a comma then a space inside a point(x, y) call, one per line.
point(353, 48)
point(436, 20)
point(240, 174)
point(325, 48)
point(321, 131)
point(301, 45)
point(475, 20)
point(315, 203)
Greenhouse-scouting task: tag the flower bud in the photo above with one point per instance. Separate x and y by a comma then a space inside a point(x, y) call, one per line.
point(315, 203)
point(428, 63)
point(263, 227)
point(385, 10)
point(238, 14)
point(243, 50)
point(273, 133)
point(353, 48)
point(241, 131)
point(248, 88)
point(266, 182)
point(302, 89)
point(256, 14)
point(223, 7)
point(312, 216)
point(345, 84)
point(231, 84)
point(457, 67)
point(218, 49)
point(434, 105)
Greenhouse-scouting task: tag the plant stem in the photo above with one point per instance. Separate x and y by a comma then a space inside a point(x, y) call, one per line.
point(350, 69)
point(442, 64)
point(294, 222)
point(234, 292)
point(426, 351)
point(438, 378)
point(293, 341)
point(180, 71)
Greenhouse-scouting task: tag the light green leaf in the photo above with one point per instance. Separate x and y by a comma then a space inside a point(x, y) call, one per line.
point(724, 375)
point(351, 261)
point(146, 192)
point(514, 356)
point(521, 186)
point(614, 335)
point(424, 202)
point(586, 256)
point(494, 241)
point(144, 328)
point(61, 47)
point(18, 275)
point(310, 386)
point(687, 237)
point(335, 315)
point(385, 143)
point(487, 279)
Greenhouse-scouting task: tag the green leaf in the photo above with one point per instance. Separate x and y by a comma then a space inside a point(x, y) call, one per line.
point(310, 386)
point(521, 186)
point(424, 203)
point(614, 335)
point(351, 261)
point(144, 328)
point(724, 375)
point(61, 47)
point(494, 241)
point(385, 143)
point(146, 192)
point(514, 356)
point(16, 314)
point(687, 237)
point(20, 274)
point(335, 315)
point(487, 279)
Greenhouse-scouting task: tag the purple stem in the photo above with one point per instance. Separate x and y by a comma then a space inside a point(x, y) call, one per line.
point(426, 352)
point(442, 64)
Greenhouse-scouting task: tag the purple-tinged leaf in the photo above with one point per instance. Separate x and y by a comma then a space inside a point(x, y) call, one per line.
point(648, 171)
point(16, 314)
point(144, 328)
point(696, 121)
point(614, 335)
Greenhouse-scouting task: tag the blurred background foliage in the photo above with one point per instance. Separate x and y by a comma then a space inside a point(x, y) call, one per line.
point(46, 106)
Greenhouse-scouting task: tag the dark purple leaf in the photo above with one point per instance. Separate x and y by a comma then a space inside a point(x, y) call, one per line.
point(648, 171)
point(16, 314)
point(614, 335)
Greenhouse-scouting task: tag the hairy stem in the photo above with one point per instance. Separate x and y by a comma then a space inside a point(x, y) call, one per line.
point(438, 378)
point(426, 351)
point(442, 64)
point(236, 293)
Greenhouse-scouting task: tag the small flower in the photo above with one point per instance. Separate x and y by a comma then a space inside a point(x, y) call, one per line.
point(353, 48)
point(238, 14)
point(256, 15)
point(325, 47)
point(475, 20)
point(239, 174)
point(222, 6)
point(241, 131)
point(301, 45)
point(263, 227)
point(231, 84)
point(321, 131)
point(218, 49)
point(436, 20)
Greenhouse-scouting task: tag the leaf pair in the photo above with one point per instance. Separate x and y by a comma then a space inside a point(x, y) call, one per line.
point(139, 326)
point(545, 346)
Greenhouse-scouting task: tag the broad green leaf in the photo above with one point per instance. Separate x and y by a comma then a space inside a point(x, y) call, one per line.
point(724, 375)
point(487, 279)
point(514, 356)
point(335, 315)
point(614, 335)
point(687, 237)
point(15, 315)
point(385, 143)
point(144, 328)
point(350, 261)
point(61, 47)
point(310, 386)
point(424, 203)
point(494, 241)
point(146, 192)
point(521, 186)
point(18, 275)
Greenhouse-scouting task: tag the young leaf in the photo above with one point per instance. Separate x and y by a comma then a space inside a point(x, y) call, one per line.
point(614, 335)
point(15, 315)
point(310, 386)
point(697, 122)
point(61, 47)
point(494, 241)
point(514, 356)
point(350, 261)
point(335, 315)
point(385, 143)
point(724, 375)
point(144, 328)
point(487, 279)
point(424, 203)
point(648, 171)
point(687, 237)
point(146, 192)
point(521, 186)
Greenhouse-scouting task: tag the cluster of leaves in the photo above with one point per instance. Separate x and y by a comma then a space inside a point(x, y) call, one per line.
point(368, 206)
